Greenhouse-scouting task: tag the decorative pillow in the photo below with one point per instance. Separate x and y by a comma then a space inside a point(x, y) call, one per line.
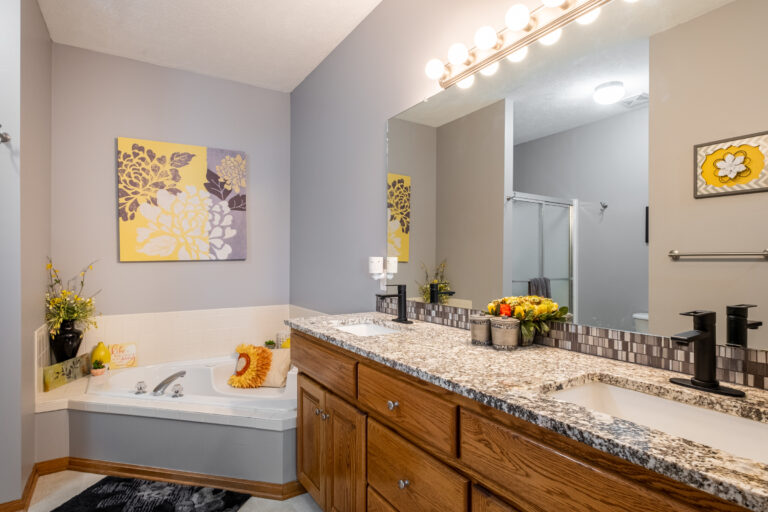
point(281, 363)
point(252, 367)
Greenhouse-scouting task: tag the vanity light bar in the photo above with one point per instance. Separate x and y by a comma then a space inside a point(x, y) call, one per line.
point(570, 11)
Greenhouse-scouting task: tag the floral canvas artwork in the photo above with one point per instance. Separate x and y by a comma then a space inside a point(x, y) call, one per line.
point(731, 166)
point(398, 216)
point(180, 203)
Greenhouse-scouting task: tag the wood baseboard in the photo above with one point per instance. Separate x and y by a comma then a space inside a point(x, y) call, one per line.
point(259, 489)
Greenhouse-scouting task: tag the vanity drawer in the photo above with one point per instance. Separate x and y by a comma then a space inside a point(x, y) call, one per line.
point(376, 503)
point(427, 484)
point(484, 501)
point(334, 371)
point(546, 479)
point(420, 413)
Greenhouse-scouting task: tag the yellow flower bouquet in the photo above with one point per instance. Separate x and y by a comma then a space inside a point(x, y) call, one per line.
point(534, 313)
point(66, 303)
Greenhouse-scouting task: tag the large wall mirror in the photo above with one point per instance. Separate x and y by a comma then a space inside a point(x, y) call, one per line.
point(529, 181)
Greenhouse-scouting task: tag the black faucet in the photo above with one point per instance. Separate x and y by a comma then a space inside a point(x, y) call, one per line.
point(738, 323)
point(435, 293)
point(402, 304)
point(704, 355)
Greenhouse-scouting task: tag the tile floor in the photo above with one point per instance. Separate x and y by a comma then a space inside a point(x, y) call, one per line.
point(53, 490)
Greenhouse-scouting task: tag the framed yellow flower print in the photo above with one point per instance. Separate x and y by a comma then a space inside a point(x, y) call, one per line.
point(731, 166)
point(178, 202)
point(398, 216)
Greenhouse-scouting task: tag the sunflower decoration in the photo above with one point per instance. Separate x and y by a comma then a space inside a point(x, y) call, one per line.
point(253, 364)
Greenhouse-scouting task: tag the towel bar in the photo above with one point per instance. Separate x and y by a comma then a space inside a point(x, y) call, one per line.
point(676, 255)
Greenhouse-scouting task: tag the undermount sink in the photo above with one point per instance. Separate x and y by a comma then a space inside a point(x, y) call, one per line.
point(732, 434)
point(367, 329)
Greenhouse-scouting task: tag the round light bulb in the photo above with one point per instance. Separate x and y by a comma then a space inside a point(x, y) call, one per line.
point(490, 70)
point(630, 1)
point(588, 18)
point(458, 54)
point(435, 69)
point(552, 37)
point(518, 17)
point(519, 55)
point(553, 3)
point(609, 93)
point(467, 82)
point(486, 38)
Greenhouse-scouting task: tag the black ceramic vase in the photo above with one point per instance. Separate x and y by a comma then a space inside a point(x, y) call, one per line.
point(66, 342)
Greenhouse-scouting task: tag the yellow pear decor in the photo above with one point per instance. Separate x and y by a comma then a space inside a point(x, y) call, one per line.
point(101, 352)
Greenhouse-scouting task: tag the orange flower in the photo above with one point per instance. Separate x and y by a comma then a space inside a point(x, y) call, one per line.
point(505, 310)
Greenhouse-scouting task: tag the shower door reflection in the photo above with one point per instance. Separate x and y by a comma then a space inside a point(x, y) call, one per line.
point(541, 238)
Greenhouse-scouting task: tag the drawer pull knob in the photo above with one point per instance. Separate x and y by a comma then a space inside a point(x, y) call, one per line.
point(317, 412)
point(402, 484)
point(391, 406)
point(324, 416)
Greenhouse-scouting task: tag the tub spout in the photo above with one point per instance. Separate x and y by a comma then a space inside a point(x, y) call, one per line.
point(160, 388)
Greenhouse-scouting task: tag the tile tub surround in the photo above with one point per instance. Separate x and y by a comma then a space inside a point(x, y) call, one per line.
point(515, 382)
point(745, 367)
point(179, 335)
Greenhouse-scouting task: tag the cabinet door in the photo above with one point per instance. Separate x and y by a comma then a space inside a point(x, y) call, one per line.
point(345, 445)
point(310, 450)
point(484, 501)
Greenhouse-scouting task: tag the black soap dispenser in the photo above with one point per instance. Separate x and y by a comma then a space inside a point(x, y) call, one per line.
point(738, 323)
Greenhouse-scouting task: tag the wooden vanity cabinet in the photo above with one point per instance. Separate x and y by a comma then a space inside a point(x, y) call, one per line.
point(331, 448)
point(484, 501)
point(372, 438)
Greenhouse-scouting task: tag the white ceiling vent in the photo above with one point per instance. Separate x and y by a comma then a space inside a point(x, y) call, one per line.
point(636, 101)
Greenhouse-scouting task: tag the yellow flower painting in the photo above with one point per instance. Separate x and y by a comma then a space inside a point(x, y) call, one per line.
point(733, 166)
point(398, 216)
point(178, 202)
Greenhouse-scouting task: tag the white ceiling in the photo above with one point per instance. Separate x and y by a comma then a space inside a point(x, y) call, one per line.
point(268, 43)
point(552, 88)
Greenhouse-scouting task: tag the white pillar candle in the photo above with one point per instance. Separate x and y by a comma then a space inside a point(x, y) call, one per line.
point(376, 265)
point(392, 265)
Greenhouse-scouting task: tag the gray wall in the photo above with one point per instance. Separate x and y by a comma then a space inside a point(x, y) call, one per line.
point(51, 435)
point(10, 257)
point(412, 150)
point(602, 161)
point(35, 203)
point(338, 142)
point(96, 98)
point(686, 110)
point(470, 205)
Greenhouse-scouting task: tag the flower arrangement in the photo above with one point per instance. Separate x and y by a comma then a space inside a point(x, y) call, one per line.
point(438, 276)
point(534, 313)
point(67, 303)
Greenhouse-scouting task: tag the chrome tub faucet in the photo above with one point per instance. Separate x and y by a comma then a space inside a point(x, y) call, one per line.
point(160, 388)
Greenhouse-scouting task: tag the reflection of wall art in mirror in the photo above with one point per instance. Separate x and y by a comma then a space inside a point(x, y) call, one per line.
point(178, 202)
point(731, 166)
point(398, 216)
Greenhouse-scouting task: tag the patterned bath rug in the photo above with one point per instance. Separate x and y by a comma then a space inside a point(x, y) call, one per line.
point(113, 494)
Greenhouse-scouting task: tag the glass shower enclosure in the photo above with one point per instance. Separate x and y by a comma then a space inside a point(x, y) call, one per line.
point(539, 239)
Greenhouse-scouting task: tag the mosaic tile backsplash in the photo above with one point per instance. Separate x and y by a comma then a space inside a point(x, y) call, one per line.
point(746, 367)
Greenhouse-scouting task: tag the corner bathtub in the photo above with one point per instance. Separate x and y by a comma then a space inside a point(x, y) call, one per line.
point(206, 395)
point(214, 430)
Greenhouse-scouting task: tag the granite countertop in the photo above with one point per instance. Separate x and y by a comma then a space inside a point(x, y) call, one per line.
point(517, 382)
